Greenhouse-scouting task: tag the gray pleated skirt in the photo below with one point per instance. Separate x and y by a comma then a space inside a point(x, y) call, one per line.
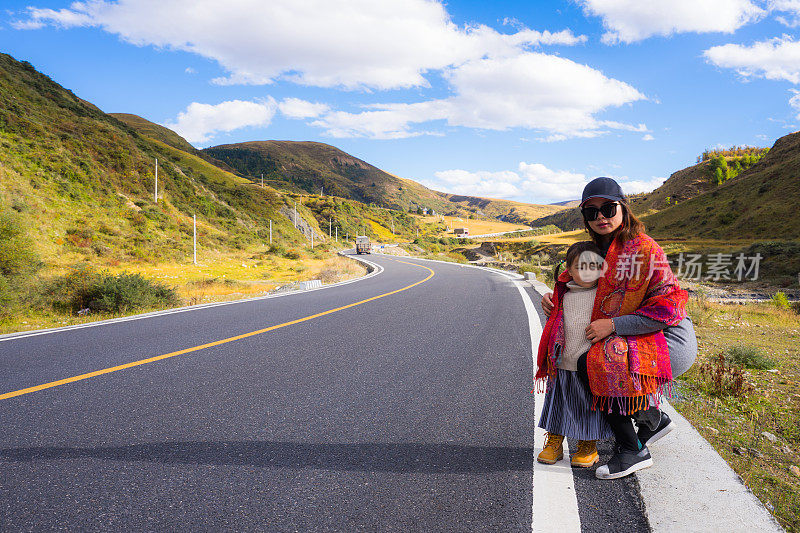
point(567, 410)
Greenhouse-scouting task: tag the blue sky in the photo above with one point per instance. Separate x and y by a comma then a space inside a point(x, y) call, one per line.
point(519, 100)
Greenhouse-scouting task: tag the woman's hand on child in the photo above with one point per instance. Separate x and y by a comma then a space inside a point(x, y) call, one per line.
point(547, 303)
point(599, 329)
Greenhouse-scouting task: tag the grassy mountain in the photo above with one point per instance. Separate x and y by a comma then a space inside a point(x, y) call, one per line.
point(166, 136)
point(313, 166)
point(759, 203)
point(82, 182)
point(683, 185)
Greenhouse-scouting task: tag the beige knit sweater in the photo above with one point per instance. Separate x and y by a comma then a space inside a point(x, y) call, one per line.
point(578, 304)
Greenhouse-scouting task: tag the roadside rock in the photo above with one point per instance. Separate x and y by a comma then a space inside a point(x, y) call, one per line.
point(769, 436)
point(794, 470)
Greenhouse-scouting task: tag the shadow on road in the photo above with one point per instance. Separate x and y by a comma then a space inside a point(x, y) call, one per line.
point(383, 457)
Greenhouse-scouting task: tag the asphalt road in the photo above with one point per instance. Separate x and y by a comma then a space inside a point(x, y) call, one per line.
point(407, 412)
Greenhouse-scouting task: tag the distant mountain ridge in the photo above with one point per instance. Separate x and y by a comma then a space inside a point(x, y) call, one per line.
point(313, 166)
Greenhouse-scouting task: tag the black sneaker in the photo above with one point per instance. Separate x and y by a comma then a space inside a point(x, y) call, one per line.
point(648, 436)
point(624, 463)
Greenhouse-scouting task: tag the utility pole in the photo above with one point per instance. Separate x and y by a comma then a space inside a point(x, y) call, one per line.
point(270, 231)
point(194, 223)
point(330, 221)
point(295, 214)
point(312, 239)
point(262, 180)
point(337, 238)
point(155, 192)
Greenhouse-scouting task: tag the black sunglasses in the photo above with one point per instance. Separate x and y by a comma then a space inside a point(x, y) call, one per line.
point(608, 210)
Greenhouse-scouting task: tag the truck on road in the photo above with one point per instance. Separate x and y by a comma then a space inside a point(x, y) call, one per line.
point(363, 245)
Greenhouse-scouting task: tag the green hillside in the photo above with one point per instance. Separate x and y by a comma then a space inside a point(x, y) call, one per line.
point(166, 136)
point(82, 182)
point(685, 184)
point(759, 203)
point(312, 167)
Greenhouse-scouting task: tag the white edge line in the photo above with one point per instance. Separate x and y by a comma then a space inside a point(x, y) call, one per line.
point(377, 269)
point(555, 502)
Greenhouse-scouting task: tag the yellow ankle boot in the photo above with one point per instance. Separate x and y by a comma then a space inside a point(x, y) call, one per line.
point(553, 449)
point(586, 455)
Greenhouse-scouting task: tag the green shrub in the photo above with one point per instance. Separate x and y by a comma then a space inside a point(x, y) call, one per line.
point(129, 292)
point(70, 292)
point(17, 256)
point(86, 288)
point(726, 218)
point(748, 357)
point(6, 297)
point(292, 254)
point(780, 300)
point(277, 248)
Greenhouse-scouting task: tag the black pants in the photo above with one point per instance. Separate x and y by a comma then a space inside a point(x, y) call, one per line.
point(621, 424)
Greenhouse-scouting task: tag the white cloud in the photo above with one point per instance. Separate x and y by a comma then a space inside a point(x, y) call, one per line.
point(791, 8)
point(487, 184)
point(774, 59)
point(530, 182)
point(648, 137)
point(297, 108)
point(200, 122)
point(63, 18)
point(634, 186)
point(628, 21)
point(530, 90)
point(352, 44)
point(190, 70)
point(794, 101)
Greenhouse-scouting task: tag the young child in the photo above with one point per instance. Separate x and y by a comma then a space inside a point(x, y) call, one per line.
point(567, 409)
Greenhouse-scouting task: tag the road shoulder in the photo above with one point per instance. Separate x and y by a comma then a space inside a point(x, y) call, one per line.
point(690, 486)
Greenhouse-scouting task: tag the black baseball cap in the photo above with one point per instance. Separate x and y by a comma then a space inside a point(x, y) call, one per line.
point(603, 188)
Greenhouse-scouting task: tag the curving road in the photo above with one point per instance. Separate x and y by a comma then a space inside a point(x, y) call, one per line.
point(398, 402)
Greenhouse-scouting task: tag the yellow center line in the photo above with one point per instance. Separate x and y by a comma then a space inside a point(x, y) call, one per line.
point(29, 390)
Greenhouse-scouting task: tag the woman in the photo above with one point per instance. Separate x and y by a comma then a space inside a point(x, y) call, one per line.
point(630, 315)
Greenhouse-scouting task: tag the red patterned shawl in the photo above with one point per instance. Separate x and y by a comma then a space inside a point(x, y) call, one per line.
point(632, 369)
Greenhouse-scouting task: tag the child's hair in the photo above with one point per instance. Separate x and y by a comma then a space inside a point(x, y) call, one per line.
point(575, 251)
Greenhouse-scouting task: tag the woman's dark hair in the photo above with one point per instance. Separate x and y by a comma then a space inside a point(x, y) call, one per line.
point(630, 228)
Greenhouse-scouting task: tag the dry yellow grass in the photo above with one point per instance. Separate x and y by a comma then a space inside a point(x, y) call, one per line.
point(217, 277)
point(565, 237)
point(382, 232)
point(475, 226)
